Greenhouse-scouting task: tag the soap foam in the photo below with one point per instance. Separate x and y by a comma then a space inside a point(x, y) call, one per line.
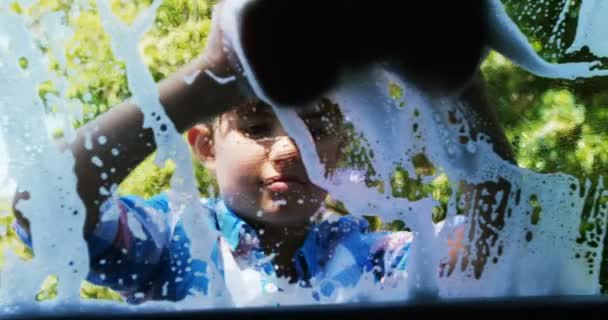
point(523, 258)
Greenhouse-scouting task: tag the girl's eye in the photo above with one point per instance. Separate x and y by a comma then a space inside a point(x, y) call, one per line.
point(257, 131)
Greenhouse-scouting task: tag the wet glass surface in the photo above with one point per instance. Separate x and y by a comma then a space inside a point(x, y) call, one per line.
point(390, 184)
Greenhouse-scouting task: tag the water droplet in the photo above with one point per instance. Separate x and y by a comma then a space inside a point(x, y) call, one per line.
point(96, 161)
point(471, 147)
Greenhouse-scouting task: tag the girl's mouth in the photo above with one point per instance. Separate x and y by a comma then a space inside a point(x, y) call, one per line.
point(282, 183)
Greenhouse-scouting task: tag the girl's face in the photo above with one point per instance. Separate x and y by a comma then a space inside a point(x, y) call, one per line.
point(258, 166)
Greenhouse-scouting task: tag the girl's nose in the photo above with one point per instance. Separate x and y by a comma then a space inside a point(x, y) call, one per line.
point(283, 152)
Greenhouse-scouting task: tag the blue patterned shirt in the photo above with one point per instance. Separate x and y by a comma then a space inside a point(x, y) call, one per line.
point(135, 251)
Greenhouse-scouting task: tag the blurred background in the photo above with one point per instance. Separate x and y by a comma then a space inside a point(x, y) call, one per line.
point(552, 125)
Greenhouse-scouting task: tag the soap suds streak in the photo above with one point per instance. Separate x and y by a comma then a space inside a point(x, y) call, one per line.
point(387, 129)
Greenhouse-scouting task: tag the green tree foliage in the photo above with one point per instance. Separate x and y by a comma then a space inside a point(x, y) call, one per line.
point(97, 80)
point(553, 125)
